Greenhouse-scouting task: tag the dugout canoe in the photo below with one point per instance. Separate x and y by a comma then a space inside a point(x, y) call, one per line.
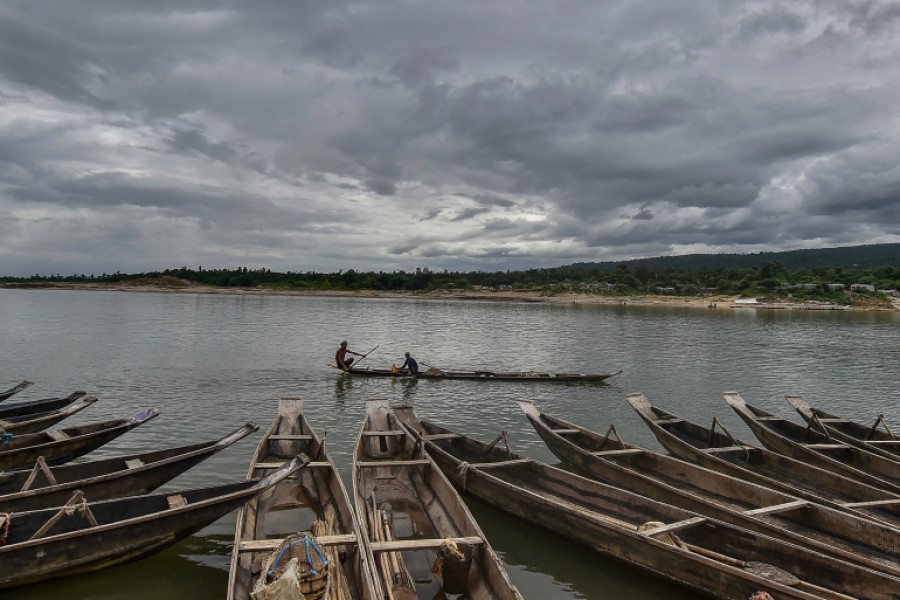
point(15, 390)
point(531, 376)
point(808, 445)
point(31, 407)
point(58, 446)
point(81, 536)
point(877, 438)
point(315, 500)
point(717, 449)
point(40, 421)
point(714, 558)
point(408, 510)
point(129, 475)
point(851, 538)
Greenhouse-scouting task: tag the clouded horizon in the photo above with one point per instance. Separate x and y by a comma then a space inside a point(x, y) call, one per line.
point(319, 136)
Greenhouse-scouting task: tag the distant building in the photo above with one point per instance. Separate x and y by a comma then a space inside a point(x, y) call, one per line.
point(862, 287)
point(835, 286)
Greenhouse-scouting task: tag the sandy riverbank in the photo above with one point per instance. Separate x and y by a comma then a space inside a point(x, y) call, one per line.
point(708, 302)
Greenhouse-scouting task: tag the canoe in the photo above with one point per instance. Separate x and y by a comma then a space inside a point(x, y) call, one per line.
point(714, 558)
point(40, 421)
point(31, 407)
point(408, 510)
point(80, 537)
point(58, 446)
point(15, 390)
point(722, 452)
point(315, 500)
point(128, 475)
point(485, 375)
point(808, 445)
point(850, 538)
point(870, 438)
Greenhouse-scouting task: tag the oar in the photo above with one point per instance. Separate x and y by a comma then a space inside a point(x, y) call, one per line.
point(363, 357)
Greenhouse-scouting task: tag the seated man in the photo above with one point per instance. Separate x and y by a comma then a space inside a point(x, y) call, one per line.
point(410, 366)
point(340, 357)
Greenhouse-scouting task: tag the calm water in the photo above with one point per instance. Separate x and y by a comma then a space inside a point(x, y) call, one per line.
point(212, 363)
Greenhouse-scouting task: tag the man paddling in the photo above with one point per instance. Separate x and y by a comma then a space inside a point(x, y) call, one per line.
point(340, 357)
point(410, 367)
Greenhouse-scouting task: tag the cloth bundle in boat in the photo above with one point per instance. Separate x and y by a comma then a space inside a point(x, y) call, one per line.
point(297, 570)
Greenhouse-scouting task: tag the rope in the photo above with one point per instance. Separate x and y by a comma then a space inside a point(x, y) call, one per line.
point(80, 507)
point(4, 528)
point(463, 471)
point(307, 541)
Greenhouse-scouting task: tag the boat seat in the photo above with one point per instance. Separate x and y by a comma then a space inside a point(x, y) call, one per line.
point(776, 508)
point(57, 435)
point(393, 463)
point(565, 431)
point(272, 545)
point(134, 463)
point(393, 432)
point(176, 501)
point(421, 544)
point(618, 452)
point(500, 463)
point(290, 438)
point(825, 446)
point(724, 449)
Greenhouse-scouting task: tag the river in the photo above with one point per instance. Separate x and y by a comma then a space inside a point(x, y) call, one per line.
point(213, 362)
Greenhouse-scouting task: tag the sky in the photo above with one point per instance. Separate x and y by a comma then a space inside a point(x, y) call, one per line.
point(141, 135)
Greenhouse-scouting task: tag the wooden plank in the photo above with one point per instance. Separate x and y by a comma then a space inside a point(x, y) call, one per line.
point(424, 544)
point(57, 435)
point(273, 544)
point(277, 465)
point(620, 452)
point(565, 431)
point(873, 503)
point(290, 437)
point(393, 463)
point(825, 446)
point(724, 449)
point(502, 463)
point(392, 432)
point(766, 510)
point(673, 526)
point(134, 463)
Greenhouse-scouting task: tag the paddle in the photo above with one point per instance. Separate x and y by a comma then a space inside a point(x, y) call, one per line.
point(363, 357)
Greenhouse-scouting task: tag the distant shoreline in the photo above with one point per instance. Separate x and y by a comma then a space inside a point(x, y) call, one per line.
point(708, 302)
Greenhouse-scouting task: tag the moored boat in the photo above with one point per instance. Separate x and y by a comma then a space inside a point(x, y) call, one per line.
point(484, 375)
point(716, 448)
point(851, 538)
point(877, 438)
point(424, 540)
point(31, 407)
point(314, 502)
point(82, 536)
point(44, 486)
point(809, 445)
point(714, 558)
point(39, 421)
point(58, 446)
point(15, 390)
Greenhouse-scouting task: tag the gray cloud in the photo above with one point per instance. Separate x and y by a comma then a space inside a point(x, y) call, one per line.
point(142, 135)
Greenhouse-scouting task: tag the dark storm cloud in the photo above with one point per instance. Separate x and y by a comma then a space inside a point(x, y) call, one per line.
point(443, 134)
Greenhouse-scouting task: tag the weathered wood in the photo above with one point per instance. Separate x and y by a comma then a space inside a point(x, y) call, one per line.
point(31, 423)
point(608, 519)
point(421, 495)
point(114, 477)
point(758, 508)
point(313, 501)
point(484, 375)
point(32, 407)
point(15, 390)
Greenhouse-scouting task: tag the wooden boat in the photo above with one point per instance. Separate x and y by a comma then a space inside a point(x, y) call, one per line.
point(62, 445)
point(722, 452)
point(408, 510)
point(315, 500)
point(128, 475)
point(15, 390)
point(80, 537)
point(39, 421)
point(871, 438)
point(484, 375)
point(808, 445)
point(18, 409)
point(851, 538)
point(717, 559)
